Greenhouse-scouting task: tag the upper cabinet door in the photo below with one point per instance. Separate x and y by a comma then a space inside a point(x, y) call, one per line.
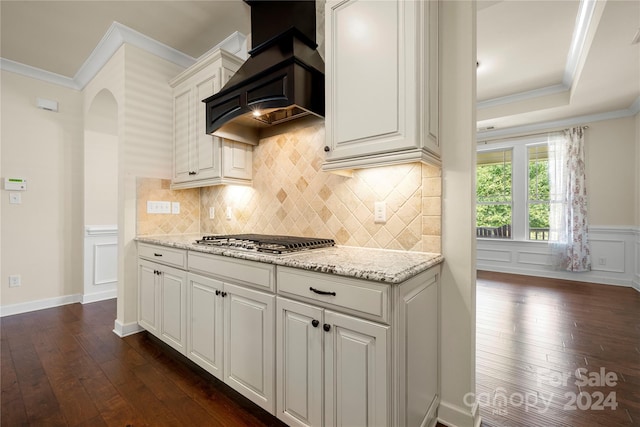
point(381, 82)
point(207, 157)
point(182, 133)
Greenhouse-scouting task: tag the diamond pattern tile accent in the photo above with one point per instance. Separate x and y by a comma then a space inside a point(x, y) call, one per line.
point(291, 195)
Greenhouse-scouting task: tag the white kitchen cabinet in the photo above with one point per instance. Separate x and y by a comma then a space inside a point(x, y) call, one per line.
point(162, 302)
point(381, 75)
point(148, 297)
point(249, 337)
point(341, 360)
point(201, 159)
point(205, 323)
point(299, 356)
point(370, 367)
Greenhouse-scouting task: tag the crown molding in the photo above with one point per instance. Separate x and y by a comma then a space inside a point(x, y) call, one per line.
point(522, 96)
point(116, 36)
point(558, 124)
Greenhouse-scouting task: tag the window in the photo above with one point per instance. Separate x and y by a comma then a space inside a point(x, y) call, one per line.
point(538, 192)
point(512, 190)
point(493, 192)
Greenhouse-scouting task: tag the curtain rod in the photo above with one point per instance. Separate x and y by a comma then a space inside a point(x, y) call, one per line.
point(525, 135)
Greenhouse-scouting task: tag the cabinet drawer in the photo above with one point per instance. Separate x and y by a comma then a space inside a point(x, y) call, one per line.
point(363, 298)
point(169, 256)
point(256, 274)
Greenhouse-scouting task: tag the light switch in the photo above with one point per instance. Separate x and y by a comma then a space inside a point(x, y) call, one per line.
point(15, 198)
point(175, 208)
point(212, 212)
point(229, 213)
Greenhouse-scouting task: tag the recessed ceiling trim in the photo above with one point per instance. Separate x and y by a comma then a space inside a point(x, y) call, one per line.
point(557, 124)
point(116, 36)
point(577, 49)
point(584, 28)
point(522, 96)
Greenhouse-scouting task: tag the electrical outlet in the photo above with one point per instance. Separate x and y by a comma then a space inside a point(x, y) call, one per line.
point(14, 281)
point(380, 212)
point(212, 212)
point(602, 261)
point(229, 213)
point(175, 208)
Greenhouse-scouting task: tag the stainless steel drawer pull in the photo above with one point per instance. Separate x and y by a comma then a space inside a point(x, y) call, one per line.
point(319, 292)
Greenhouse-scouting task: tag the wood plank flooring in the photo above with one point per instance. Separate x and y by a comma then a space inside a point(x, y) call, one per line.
point(65, 367)
point(534, 333)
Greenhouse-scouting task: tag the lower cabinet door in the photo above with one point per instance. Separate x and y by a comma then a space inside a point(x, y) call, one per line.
point(299, 363)
point(173, 322)
point(249, 365)
point(148, 296)
point(357, 374)
point(205, 321)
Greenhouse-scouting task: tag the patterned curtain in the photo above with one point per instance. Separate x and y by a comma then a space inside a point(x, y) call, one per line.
point(568, 237)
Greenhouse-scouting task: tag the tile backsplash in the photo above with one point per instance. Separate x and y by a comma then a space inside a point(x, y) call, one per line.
point(152, 189)
point(291, 195)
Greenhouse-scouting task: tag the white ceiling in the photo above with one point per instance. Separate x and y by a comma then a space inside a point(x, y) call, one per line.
point(524, 47)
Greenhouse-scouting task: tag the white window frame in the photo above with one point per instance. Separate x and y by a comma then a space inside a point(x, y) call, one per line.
point(519, 183)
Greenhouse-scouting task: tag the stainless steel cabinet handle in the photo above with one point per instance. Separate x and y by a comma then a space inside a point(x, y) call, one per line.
point(319, 292)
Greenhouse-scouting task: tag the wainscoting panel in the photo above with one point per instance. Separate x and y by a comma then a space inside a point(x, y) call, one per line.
point(615, 256)
point(100, 263)
point(495, 255)
point(533, 258)
point(608, 255)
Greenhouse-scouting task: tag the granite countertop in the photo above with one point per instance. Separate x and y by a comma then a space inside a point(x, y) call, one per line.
point(380, 265)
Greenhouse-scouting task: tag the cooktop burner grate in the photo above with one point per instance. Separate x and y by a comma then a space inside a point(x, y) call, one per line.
point(266, 243)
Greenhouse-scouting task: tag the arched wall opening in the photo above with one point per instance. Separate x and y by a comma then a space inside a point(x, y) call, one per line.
point(101, 198)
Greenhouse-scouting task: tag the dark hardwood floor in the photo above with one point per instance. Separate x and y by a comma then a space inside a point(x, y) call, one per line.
point(532, 336)
point(65, 367)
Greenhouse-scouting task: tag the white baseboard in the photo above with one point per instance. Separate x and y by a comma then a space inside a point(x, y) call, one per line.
point(577, 277)
point(25, 307)
point(457, 416)
point(99, 296)
point(124, 329)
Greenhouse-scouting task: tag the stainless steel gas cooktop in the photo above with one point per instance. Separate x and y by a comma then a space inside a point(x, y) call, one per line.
point(265, 243)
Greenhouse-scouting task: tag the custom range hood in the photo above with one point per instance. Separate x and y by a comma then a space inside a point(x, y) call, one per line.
point(281, 81)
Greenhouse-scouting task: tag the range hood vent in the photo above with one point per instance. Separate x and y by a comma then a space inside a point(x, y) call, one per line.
point(282, 80)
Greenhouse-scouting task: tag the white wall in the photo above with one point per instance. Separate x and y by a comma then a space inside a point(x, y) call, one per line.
point(612, 187)
point(42, 237)
point(100, 178)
